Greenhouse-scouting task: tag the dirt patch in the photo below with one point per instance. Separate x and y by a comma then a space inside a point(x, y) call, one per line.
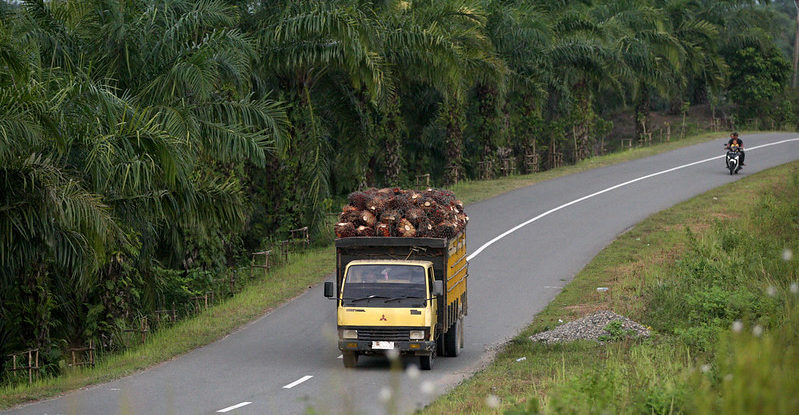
point(723, 216)
point(585, 308)
point(694, 227)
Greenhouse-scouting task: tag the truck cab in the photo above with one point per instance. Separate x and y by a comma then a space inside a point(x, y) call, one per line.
point(387, 305)
point(400, 294)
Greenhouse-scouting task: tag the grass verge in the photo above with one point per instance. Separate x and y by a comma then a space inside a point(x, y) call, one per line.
point(284, 283)
point(719, 261)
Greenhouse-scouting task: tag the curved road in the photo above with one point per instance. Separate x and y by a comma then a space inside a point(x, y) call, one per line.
point(287, 361)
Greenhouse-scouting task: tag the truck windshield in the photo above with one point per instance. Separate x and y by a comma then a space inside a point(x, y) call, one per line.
point(385, 286)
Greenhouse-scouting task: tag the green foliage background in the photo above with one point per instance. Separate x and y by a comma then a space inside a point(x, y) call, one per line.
point(147, 147)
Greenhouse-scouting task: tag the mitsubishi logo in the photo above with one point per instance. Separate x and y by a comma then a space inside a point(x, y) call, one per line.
point(383, 318)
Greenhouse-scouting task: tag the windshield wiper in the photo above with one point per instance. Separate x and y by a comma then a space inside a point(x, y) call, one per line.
point(365, 298)
point(404, 297)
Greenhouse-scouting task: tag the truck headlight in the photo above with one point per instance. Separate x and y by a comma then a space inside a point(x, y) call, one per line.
point(349, 334)
point(417, 334)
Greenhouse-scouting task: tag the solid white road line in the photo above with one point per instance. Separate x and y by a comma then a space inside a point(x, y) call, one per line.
point(648, 176)
point(236, 406)
point(297, 382)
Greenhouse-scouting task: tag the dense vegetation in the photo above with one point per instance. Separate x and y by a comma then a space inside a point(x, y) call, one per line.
point(147, 145)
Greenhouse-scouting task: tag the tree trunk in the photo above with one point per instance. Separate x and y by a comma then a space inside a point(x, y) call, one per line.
point(642, 113)
point(489, 128)
point(393, 131)
point(795, 45)
point(530, 123)
point(581, 131)
point(453, 115)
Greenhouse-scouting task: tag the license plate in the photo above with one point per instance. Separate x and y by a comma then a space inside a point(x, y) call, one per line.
point(382, 345)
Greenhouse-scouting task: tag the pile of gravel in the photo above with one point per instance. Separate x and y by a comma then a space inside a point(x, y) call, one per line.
point(590, 327)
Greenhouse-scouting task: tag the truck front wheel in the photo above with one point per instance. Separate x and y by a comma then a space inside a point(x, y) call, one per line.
point(426, 361)
point(350, 359)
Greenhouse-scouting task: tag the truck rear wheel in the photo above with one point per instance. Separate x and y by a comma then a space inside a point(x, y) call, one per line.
point(452, 339)
point(350, 359)
point(426, 361)
point(463, 328)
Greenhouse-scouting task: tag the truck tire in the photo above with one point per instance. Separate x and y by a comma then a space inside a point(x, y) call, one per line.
point(350, 359)
point(426, 361)
point(452, 339)
point(463, 329)
point(441, 345)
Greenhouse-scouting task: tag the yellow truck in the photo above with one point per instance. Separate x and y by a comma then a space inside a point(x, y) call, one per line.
point(402, 294)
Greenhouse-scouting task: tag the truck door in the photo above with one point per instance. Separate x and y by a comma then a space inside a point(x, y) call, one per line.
point(431, 277)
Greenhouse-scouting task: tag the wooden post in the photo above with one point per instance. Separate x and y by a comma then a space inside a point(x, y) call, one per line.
point(144, 329)
point(574, 138)
point(668, 132)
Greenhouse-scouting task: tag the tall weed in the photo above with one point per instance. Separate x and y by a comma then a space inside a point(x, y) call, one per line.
point(645, 378)
point(754, 372)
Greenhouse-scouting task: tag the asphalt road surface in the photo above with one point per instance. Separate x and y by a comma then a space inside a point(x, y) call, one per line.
point(524, 246)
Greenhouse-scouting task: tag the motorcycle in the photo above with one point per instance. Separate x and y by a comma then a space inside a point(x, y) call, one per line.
point(733, 159)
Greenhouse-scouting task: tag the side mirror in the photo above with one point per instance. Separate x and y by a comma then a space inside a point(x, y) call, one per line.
point(329, 288)
point(438, 287)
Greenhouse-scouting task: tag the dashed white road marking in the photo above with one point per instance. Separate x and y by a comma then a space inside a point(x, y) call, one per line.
point(297, 382)
point(341, 356)
point(230, 408)
point(573, 202)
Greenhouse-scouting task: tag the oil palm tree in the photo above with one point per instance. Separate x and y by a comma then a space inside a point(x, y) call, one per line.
point(307, 46)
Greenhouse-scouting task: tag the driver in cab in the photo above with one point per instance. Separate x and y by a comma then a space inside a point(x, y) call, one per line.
point(735, 141)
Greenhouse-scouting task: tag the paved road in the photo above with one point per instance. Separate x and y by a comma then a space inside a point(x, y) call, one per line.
point(287, 361)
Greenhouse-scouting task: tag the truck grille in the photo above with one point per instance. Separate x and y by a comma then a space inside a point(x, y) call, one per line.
point(383, 333)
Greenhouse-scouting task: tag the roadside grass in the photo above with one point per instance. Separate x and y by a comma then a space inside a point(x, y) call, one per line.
point(283, 283)
point(690, 272)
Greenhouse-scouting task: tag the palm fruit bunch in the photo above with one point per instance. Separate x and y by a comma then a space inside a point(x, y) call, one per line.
point(430, 213)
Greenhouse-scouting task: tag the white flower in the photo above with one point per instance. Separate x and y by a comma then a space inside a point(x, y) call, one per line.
point(757, 330)
point(492, 401)
point(737, 326)
point(795, 288)
point(705, 368)
point(412, 371)
point(392, 354)
point(787, 254)
point(427, 387)
point(385, 394)
point(771, 291)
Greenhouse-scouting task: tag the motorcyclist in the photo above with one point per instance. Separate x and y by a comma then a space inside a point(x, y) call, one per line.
point(735, 141)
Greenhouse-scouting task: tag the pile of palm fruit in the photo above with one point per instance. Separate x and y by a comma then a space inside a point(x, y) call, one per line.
point(431, 213)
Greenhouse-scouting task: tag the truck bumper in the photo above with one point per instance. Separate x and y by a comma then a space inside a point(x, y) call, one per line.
point(406, 347)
